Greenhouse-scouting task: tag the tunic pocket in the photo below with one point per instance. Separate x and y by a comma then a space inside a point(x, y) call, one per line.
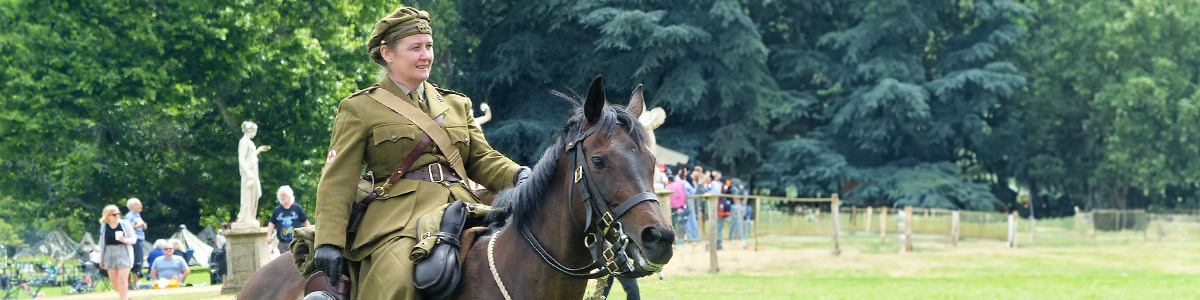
point(460, 136)
point(393, 139)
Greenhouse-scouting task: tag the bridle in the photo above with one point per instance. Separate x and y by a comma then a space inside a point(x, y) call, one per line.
point(608, 258)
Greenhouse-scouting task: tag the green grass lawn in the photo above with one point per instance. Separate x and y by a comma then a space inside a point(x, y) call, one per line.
point(1057, 266)
point(977, 269)
point(198, 276)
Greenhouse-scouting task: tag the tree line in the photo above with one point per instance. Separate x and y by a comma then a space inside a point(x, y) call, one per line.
point(945, 104)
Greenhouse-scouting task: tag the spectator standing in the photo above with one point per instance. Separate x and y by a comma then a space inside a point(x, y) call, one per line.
point(737, 209)
point(116, 237)
point(629, 284)
point(716, 186)
point(695, 186)
point(285, 219)
point(134, 218)
point(660, 176)
point(169, 266)
point(217, 262)
point(679, 195)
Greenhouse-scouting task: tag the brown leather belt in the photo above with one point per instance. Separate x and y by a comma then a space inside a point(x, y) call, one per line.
point(433, 173)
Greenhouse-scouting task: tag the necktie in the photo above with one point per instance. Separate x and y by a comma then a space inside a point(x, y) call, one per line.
point(412, 95)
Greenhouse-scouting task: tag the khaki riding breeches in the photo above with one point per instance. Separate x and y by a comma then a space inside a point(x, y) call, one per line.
point(386, 274)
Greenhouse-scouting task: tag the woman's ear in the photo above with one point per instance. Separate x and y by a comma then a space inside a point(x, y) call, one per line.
point(385, 53)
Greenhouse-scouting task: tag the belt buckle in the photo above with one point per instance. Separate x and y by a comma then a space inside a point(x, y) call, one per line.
point(441, 174)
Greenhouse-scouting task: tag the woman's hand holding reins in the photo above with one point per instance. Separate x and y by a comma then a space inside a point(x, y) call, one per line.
point(328, 259)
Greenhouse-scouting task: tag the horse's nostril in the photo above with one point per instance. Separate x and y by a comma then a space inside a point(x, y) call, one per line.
point(654, 235)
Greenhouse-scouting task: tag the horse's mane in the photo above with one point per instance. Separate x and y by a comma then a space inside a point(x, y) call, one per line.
point(522, 203)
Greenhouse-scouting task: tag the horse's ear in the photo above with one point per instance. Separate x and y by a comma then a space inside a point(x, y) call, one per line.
point(593, 107)
point(637, 104)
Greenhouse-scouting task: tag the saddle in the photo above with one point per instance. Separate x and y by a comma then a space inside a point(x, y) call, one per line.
point(317, 287)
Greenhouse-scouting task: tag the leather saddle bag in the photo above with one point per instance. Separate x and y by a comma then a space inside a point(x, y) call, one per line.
point(438, 273)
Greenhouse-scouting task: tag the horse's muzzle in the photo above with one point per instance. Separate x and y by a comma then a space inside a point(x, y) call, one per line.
point(654, 251)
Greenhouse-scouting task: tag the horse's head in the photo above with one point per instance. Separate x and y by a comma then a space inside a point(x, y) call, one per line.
point(594, 186)
point(618, 168)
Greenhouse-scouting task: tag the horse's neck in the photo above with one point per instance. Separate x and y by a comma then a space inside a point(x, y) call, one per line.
point(558, 233)
point(527, 274)
point(561, 237)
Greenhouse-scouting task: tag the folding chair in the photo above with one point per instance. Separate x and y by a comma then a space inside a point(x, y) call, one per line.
point(101, 282)
point(10, 287)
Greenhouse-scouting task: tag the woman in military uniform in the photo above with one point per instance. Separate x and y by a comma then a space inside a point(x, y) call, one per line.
point(367, 133)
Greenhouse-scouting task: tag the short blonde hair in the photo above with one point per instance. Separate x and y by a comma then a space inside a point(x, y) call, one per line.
point(131, 201)
point(108, 210)
point(279, 193)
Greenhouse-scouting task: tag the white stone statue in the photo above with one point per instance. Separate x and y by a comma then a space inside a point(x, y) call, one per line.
point(651, 120)
point(487, 115)
point(248, 167)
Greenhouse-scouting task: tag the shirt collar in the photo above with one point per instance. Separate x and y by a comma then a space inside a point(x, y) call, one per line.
point(420, 89)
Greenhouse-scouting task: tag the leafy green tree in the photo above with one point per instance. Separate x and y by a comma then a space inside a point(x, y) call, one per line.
point(1110, 119)
point(106, 100)
point(907, 88)
point(894, 95)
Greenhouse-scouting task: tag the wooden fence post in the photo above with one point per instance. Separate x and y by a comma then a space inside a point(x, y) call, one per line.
point(868, 228)
point(711, 214)
point(853, 219)
point(1012, 230)
point(908, 228)
point(883, 224)
point(835, 207)
point(954, 228)
point(755, 220)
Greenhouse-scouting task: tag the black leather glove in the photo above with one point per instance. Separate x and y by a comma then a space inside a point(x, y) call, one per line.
point(521, 176)
point(328, 259)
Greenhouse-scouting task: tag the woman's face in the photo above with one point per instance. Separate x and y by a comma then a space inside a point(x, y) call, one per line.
point(410, 60)
point(113, 216)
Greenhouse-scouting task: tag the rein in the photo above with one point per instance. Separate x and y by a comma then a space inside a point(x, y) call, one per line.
point(608, 258)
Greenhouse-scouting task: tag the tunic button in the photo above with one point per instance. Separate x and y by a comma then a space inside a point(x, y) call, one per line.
point(393, 136)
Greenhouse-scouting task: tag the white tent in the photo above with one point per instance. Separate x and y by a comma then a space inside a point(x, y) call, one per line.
point(56, 245)
point(85, 246)
point(200, 250)
point(208, 236)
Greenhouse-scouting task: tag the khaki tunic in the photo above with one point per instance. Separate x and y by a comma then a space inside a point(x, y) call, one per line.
point(367, 134)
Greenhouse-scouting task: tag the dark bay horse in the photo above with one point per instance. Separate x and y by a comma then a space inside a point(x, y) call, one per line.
point(588, 210)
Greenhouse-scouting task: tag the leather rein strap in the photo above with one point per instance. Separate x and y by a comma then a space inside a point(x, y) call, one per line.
point(605, 261)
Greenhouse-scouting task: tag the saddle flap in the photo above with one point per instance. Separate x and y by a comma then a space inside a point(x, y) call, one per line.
point(318, 283)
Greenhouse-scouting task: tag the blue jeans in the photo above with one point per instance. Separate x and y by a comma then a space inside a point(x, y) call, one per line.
point(693, 223)
point(736, 230)
point(721, 228)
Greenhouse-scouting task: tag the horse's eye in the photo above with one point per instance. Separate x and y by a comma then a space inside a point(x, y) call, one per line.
point(598, 162)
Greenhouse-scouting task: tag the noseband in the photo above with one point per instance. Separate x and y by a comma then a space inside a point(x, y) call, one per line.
point(607, 257)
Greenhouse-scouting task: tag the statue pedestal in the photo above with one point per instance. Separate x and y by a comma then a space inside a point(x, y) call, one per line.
point(246, 252)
